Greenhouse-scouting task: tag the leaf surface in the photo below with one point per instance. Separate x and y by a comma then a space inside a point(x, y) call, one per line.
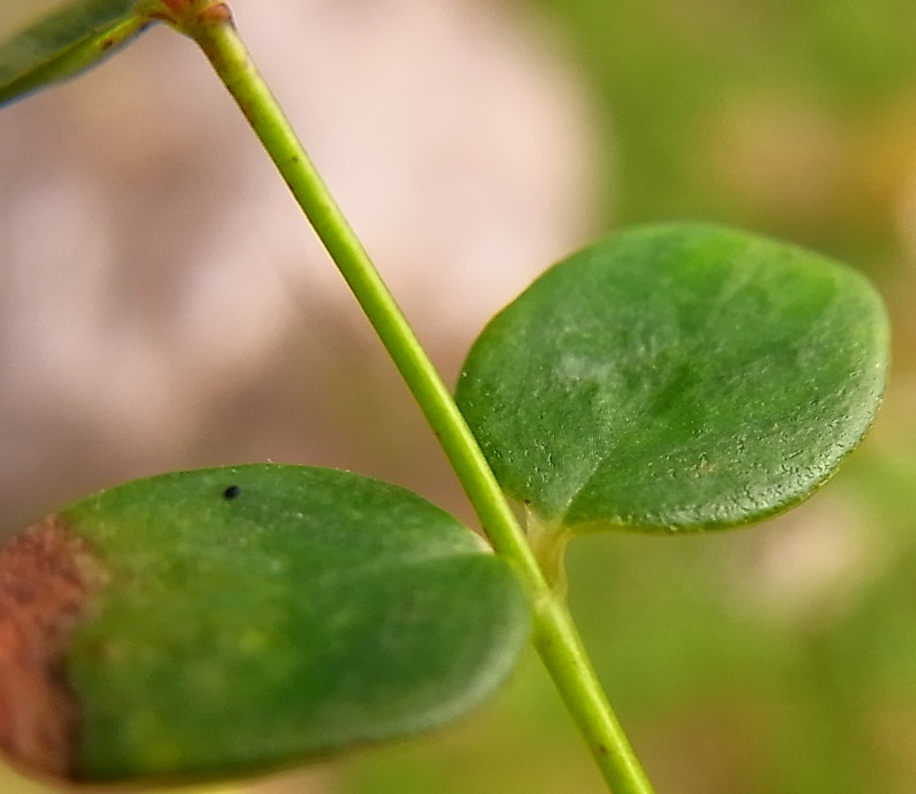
point(247, 618)
point(66, 41)
point(676, 377)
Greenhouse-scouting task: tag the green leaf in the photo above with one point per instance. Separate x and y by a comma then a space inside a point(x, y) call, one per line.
point(65, 42)
point(227, 621)
point(676, 377)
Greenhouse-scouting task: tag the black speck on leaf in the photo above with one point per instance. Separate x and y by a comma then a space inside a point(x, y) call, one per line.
point(232, 492)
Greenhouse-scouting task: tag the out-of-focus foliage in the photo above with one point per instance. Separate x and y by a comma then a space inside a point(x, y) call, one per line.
point(794, 118)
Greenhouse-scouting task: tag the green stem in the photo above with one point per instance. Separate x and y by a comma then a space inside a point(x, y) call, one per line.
point(555, 635)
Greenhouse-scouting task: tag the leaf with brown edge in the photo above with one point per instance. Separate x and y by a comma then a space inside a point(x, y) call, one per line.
point(227, 622)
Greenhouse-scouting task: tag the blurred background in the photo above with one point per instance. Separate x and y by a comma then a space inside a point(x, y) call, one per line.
point(163, 306)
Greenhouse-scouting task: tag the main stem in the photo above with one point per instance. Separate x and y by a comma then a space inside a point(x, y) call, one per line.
point(555, 635)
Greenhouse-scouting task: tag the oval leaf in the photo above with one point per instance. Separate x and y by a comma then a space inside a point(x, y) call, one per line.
point(65, 42)
point(222, 622)
point(676, 377)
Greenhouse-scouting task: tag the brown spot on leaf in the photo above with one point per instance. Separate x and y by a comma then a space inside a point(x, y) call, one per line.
point(47, 578)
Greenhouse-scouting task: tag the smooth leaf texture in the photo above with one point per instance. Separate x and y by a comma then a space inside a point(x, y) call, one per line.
point(248, 618)
point(65, 42)
point(676, 377)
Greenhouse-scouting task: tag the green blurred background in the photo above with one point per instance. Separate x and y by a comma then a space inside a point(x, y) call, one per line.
point(777, 659)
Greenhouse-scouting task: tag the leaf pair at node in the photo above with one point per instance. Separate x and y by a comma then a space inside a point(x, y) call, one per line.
point(227, 621)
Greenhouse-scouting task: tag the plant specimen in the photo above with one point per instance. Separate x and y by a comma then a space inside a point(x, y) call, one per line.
point(224, 622)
